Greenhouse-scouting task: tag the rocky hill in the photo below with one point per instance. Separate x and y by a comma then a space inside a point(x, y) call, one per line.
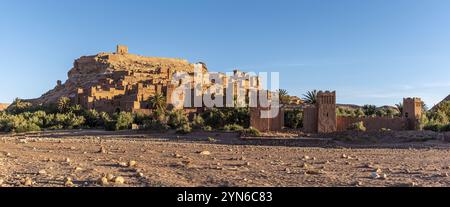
point(446, 99)
point(88, 71)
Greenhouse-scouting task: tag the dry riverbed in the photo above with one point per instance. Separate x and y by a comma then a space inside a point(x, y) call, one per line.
point(94, 158)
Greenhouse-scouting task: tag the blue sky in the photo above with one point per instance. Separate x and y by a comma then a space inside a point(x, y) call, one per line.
point(370, 51)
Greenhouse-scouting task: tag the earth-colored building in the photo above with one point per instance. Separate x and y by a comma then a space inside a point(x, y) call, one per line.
point(321, 117)
point(114, 82)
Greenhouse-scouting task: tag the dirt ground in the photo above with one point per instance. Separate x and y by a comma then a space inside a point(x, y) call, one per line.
point(83, 158)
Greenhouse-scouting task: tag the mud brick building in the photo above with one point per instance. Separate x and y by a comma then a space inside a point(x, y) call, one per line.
point(321, 117)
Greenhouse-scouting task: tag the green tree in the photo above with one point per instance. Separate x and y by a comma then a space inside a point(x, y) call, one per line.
point(369, 110)
point(310, 97)
point(400, 108)
point(63, 105)
point(284, 96)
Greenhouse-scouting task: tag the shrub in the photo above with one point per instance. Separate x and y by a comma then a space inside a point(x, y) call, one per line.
point(140, 118)
point(124, 121)
point(207, 128)
point(155, 125)
point(358, 126)
point(198, 122)
point(233, 128)
point(19, 106)
point(445, 128)
point(251, 132)
point(177, 119)
point(293, 119)
point(369, 110)
point(68, 121)
point(214, 118)
point(185, 129)
point(63, 105)
point(433, 127)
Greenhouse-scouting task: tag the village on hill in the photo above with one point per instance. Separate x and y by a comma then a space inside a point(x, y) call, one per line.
point(122, 119)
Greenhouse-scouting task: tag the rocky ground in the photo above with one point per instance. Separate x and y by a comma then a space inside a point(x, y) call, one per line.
point(95, 158)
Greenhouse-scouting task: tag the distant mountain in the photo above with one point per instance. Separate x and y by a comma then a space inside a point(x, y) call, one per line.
point(3, 106)
point(354, 107)
point(446, 99)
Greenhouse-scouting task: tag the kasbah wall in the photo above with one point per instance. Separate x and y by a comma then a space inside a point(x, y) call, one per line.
point(321, 117)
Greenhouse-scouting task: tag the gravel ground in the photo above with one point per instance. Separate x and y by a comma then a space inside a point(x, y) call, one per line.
point(94, 158)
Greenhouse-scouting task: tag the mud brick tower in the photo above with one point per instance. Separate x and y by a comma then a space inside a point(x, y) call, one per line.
point(412, 110)
point(122, 49)
point(326, 110)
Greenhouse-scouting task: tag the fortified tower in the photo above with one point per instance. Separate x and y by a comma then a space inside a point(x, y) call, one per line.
point(326, 110)
point(412, 110)
point(122, 50)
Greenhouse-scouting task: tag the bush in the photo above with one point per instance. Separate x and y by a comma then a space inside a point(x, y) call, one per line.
point(124, 121)
point(293, 119)
point(111, 125)
point(177, 119)
point(214, 118)
point(432, 127)
point(233, 128)
point(445, 128)
point(251, 132)
point(94, 119)
point(218, 117)
point(198, 122)
point(155, 125)
point(140, 118)
point(358, 126)
point(185, 129)
point(68, 121)
point(207, 128)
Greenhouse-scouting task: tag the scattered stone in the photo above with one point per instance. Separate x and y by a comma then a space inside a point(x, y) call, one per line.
point(27, 182)
point(73, 148)
point(42, 172)
point(119, 180)
point(139, 174)
point(305, 165)
point(384, 177)
point(358, 183)
point(375, 175)
point(306, 157)
point(1, 182)
point(68, 160)
point(68, 182)
point(123, 164)
point(103, 181)
point(314, 172)
point(407, 185)
point(445, 175)
point(177, 155)
point(205, 153)
point(109, 177)
point(102, 150)
point(344, 156)
point(132, 163)
point(78, 169)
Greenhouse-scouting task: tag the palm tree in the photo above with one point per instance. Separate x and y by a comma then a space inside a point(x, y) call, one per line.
point(63, 105)
point(400, 108)
point(310, 97)
point(158, 102)
point(284, 96)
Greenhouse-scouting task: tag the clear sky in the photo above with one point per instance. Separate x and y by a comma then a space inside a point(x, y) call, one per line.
point(370, 51)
